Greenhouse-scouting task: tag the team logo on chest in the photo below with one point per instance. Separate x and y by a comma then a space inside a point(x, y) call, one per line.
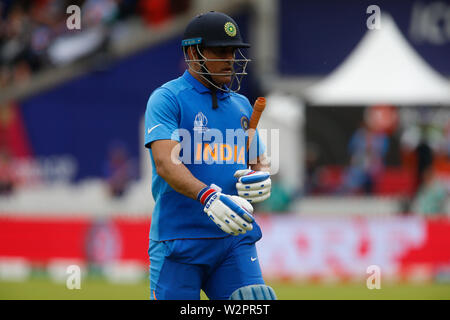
point(200, 122)
point(244, 123)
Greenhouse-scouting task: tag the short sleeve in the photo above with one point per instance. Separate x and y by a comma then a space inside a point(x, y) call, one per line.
point(161, 117)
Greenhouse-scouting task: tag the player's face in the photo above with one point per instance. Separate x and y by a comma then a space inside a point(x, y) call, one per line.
point(221, 67)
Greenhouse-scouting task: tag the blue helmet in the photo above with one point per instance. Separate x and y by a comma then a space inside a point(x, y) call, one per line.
point(213, 29)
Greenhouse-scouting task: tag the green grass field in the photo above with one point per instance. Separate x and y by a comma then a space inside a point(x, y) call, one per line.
point(102, 290)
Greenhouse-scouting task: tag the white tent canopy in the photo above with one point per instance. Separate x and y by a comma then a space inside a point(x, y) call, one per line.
point(382, 69)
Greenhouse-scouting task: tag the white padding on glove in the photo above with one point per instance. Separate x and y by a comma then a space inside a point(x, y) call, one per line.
point(254, 186)
point(232, 214)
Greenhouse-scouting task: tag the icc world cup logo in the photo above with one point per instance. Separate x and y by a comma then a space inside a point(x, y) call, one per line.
point(200, 122)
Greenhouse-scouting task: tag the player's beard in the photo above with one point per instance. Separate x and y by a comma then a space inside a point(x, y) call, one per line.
point(223, 80)
point(216, 80)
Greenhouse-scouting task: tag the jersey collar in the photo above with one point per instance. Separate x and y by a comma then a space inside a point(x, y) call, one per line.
point(201, 88)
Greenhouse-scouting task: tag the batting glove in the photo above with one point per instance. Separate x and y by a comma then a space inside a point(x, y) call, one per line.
point(232, 214)
point(254, 186)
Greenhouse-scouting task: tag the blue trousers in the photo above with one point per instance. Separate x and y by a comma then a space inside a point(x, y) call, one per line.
point(179, 269)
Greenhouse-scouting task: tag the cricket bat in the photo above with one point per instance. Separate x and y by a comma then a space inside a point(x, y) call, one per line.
point(258, 109)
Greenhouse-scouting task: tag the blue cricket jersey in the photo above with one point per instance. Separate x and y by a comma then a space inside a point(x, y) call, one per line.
point(212, 149)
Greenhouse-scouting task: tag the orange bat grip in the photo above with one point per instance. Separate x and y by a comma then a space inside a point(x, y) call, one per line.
point(258, 109)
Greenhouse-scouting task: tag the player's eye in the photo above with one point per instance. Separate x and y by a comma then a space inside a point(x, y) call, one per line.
point(223, 51)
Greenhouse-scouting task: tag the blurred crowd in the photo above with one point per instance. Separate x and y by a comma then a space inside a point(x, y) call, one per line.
point(120, 169)
point(34, 37)
point(418, 137)
point(34, 34)
point(425, 152)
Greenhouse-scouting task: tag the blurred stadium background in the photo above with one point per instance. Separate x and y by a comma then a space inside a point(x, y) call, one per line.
point(363, 151)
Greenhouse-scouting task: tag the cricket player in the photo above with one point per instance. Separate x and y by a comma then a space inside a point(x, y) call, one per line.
point(203, 233)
